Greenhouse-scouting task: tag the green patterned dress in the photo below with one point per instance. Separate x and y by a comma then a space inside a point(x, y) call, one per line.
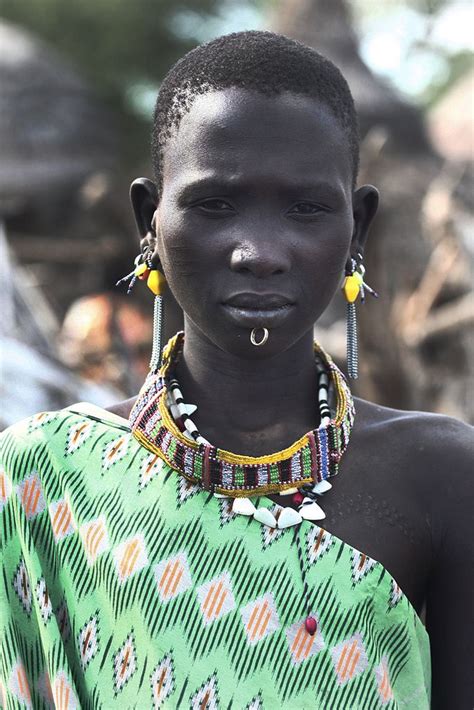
point(125, 586)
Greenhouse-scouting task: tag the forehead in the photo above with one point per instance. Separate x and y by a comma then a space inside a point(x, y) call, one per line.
point(239, 133)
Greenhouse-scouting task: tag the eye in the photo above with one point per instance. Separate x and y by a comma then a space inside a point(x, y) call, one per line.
point(305, 209)
point(215, 205)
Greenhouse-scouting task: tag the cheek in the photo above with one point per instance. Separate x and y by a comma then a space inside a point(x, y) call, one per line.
point(321, 264)
point(176, 251)
point(185, 262)
point(326, 254)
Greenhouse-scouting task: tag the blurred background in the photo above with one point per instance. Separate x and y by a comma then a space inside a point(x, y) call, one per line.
point(78, 81)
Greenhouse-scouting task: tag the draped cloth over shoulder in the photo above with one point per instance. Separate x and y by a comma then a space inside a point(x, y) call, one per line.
point(125, 585)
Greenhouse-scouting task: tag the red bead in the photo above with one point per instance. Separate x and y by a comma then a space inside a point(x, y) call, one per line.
point(311, 625)
point(298, 498)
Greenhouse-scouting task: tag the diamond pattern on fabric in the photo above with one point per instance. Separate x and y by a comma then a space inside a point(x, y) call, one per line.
point(18, 684)
point(64, 698)
point(383, 682)
point(94, 538)
point(61, 519)
point(162, 681)
point(361, 565)
point(260, 618)
point(88, 641)
point(173, 576)
point(318, 542)
point(152, 464)
point(21, 584)
point(216, 598)
point(149, 558)
point(44, 601)
point(269, 535)
point(40, 419)
point(226, 514)
point(115, 451)
point(349, 658)
point(78, 434)
point(130, 557)
point(31, 496)
point(186, 489)
point(124, 663)
point(207, 696)
point(301, 644)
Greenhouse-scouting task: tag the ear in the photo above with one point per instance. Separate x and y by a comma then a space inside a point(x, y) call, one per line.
point(144, 199)
point(365, 202)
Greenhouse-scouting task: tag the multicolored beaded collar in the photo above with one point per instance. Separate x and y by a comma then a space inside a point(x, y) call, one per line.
point(313, 458)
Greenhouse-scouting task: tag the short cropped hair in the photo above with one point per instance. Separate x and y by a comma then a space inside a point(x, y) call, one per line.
point(263, 61)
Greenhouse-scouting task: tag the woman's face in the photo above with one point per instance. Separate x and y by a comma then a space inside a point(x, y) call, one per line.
point(256, 217)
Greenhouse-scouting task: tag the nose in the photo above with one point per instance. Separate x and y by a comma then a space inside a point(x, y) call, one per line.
point(260, 258)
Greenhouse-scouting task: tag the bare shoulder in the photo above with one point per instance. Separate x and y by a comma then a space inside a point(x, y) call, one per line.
point(437, 444)
point(122, 409)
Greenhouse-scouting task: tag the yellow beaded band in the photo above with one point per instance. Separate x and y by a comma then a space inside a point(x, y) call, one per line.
point(313, 457)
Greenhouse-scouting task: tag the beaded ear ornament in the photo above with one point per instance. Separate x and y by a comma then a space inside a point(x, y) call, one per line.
point(353, 286)
point(156, 282)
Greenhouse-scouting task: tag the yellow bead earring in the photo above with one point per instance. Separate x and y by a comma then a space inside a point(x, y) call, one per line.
point(156, 282)
point(353, 286)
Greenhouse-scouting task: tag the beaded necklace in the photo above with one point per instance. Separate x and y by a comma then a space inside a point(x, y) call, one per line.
point(310, 460)
point(161, 421)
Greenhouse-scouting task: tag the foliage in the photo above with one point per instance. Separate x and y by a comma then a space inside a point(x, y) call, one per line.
point(422, 47)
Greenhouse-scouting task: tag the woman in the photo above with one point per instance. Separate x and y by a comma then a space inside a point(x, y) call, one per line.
point(145, 565)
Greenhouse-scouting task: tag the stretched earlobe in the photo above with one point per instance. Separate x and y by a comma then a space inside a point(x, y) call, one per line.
point(144, 199)
point(365, 203)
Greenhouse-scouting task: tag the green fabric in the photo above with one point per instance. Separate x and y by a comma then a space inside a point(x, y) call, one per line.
point(124, 586)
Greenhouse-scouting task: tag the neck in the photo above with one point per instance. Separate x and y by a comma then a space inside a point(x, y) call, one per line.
point(252, 407)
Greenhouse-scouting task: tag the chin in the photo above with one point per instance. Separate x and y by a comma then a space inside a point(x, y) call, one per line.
point(236, 342)
point(225, 332)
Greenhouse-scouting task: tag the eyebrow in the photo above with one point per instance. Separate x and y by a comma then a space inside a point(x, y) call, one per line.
point(229, 184)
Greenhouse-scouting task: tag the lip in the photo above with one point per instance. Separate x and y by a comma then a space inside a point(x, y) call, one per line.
point(258, 301)
point(258, 310)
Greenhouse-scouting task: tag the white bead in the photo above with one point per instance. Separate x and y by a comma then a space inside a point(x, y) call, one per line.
point(264, 516)
point(174, 411)
point(243, 506)
point(221, 495)
point(288, 517)
point(190, 426)
point(187, 408)
point(289, 492)
point(322, 487)
point(312, 512)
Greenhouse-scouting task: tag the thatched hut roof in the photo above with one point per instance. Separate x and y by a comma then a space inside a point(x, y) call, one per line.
point(53, 130)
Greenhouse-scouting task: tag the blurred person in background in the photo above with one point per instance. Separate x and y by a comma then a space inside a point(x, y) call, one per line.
point(191, 546)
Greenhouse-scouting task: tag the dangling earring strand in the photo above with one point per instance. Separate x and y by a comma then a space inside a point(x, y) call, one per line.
point(156, 282)
point(353, 286)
